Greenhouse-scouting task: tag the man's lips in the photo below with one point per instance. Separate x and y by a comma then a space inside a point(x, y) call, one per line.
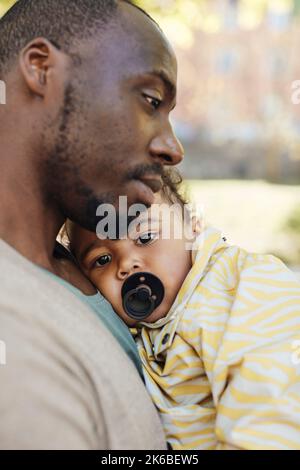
point(153, 182)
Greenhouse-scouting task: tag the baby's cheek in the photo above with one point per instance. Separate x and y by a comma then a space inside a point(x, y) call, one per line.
point(111, 294)
point(174, 282)
point(103, 286)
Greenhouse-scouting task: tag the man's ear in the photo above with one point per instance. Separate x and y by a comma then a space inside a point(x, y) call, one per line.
point(37, 61)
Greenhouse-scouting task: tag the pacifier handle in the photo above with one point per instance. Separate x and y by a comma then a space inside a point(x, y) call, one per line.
point(142, 293)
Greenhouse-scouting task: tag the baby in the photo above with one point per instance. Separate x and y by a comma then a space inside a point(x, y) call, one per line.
point(219, 351)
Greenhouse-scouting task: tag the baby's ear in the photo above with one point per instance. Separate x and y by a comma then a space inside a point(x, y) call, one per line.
point(197, 225)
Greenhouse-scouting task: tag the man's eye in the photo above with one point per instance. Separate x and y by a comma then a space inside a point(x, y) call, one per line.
point(154, 102)
point(102, 261)
point(147, 239)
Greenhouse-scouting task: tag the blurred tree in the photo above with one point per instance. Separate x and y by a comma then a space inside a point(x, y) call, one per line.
point(198, 12)
point(5, 5)
point(181, 18)
point(297, 7)
point(205, 14)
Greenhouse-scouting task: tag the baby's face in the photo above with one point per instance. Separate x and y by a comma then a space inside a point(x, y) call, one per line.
point(108, 263)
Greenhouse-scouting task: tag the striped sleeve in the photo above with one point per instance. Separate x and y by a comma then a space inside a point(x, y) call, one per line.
point(256, 378)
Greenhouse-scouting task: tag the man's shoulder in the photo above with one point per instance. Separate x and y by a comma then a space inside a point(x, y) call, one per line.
point(31, 298)
point(25, 287)
point(60, 357)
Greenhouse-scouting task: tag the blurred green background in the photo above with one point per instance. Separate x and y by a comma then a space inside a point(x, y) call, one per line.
point(235, 115)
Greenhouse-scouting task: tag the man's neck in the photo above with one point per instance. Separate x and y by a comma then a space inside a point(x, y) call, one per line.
point(30, 224)
point(27, 222)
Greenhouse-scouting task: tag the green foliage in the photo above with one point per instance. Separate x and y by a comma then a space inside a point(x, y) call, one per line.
point(293, 221)
point(292, 227)
point(186, 12)
point(5, 5)
point(172, 7)
point(297, 7)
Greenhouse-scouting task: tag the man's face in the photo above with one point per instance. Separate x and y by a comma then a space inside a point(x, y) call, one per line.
point(113, 127)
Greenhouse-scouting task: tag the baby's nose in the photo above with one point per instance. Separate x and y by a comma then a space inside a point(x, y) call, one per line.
point(128, 267)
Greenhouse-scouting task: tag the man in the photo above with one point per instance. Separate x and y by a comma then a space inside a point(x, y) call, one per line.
point(90, 85)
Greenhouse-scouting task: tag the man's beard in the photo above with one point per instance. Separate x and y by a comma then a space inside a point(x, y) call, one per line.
point(65, 160)
point(74, 198)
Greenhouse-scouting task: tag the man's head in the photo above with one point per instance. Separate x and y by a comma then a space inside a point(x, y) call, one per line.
point(91, 84)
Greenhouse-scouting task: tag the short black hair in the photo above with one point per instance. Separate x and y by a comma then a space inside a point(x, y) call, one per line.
point(59, 21)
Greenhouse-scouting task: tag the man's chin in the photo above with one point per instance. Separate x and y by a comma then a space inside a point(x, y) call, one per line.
point(139, 193)
point(134, 193)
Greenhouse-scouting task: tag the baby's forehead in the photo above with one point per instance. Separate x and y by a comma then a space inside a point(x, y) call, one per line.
point(159, 213)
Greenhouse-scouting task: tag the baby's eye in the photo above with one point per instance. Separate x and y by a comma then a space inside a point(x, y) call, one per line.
point(154, 102)
point(147, 238)
point(102, 261)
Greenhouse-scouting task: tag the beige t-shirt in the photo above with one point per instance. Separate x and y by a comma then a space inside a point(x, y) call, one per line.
point(66, 383)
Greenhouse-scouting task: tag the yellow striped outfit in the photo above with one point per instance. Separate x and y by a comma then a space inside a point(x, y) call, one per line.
point(222, 366)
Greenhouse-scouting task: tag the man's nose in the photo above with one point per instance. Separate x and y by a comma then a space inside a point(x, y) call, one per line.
point(128, 266)
point(166, 148)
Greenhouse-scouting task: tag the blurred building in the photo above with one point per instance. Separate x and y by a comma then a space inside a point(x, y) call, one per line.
point(238, 61)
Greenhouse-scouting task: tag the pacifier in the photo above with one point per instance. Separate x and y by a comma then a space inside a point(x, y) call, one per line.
point(142, 293)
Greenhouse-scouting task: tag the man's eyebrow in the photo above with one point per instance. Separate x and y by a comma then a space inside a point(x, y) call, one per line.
point(168, 83)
